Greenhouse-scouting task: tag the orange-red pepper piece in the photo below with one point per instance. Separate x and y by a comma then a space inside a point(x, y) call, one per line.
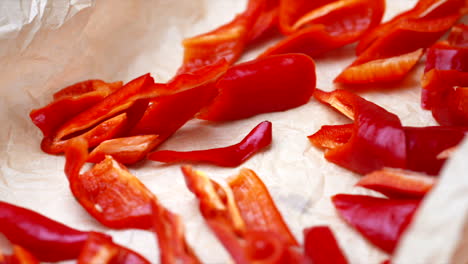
point(109, 192)
point(126, 150)
point(231, 156)
point(86, 87)
point(244, 218)
point(169, 229)
point(398, 184)
point(330, 26)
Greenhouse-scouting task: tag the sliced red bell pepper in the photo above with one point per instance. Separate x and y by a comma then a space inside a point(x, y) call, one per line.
point(443, 56)
point(291, 11)
point(275, 83)
point(266, 22)
point(86, 87)
point(19, 256)
point(411, 31)
point(398, 184)
point(321, 247)
point(379, 220)
point(228, 41)
point(100, 249)
point(108, 192)
point(104, 131)
point(424, 144)
point(232, 156)
point(169, 229)
point(126, 150)
point(458, 36)
point(44, 238)
point(376, 139)
point(244, 218)
point(330, 26)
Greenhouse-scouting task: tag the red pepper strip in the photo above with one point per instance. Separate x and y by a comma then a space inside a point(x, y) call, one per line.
point(424, 144)
point(88, 86)
point(19, 256)
point(379, 220)
point(109, 192)
point(275, 83)
point(266, 22)
point(331, 26)
point(244, 218)
point(139, 88)
point(424, 9)
point(173, 247)
point(398, 184)
point(165, 115)
point(104, 131)
point(380, 70)
point(224, 43)
point(50, 117)
point(291, 11)
point(127, 150)
point(321, 247)
point(377, 139)
point(45, 238)
point(99, 249)
point(232, 156)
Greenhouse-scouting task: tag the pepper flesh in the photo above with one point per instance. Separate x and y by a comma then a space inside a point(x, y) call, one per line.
point(270, 84)
point(408, 32)
point(232, 156)
point(379, 220)
point(377, 139)
point(329, 26)
point(398, 184)
point(19, 256)
point(321, 247)
point(244, 218)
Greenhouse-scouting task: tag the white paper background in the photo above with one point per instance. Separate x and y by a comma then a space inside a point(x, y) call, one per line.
point(47, 45)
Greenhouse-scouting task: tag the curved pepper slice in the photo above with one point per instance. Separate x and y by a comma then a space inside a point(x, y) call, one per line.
point(398, 184)
point(408, 32)
point(69, 102)
point(330, 26)
point(275, 83)
point(321, 247)
point(228, 41)
point(375, 140)
point(244, 218)
point(232, 156)
point(19, 256)
point(379, 220)
point(126, 150)
point(109, 192)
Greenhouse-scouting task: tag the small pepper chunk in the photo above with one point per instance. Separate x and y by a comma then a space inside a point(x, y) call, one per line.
point(232, 156)
point(321, 247)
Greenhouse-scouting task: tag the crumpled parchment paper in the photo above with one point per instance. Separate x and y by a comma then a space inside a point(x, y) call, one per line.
point(46, 45)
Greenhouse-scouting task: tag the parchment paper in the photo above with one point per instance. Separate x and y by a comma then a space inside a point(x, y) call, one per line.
point(46, 45)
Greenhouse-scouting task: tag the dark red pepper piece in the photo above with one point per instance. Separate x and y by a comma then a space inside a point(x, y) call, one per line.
point(321, 247)
point(232, 156)
point(379, 220)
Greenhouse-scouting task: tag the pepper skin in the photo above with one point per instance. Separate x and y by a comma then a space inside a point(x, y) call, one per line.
point(379, 220)
point(321, 247)
point(19, 256)
point(270, 84)
point(232, 156)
